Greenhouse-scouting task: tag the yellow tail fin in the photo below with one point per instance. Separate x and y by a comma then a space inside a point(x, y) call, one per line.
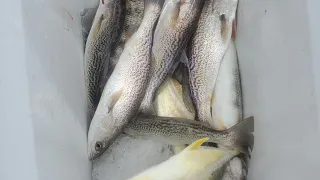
point(195, 145)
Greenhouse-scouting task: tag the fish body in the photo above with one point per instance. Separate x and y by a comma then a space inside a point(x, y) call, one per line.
point(193, 163)
point(169, 103)
point(175, 131)
point(103, 32)
point(206, 50)
point(131, 19)
point(124, 91)
point(174, 29)
point(227, 107)
point(87, 16)
point(227, 96)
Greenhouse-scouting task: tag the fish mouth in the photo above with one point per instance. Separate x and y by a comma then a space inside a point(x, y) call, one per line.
point(93, 156)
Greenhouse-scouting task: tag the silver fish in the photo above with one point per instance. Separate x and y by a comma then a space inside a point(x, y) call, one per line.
point(87, 16)
point(175, 131)
point(175, 27)
point(97, 51)
point(132, 18)
point(227, 97)
point(169, 103)
point(206, 51)
point(227, 107)
point(125, 89)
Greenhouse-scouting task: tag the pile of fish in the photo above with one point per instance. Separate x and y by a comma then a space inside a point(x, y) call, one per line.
point(167, 70)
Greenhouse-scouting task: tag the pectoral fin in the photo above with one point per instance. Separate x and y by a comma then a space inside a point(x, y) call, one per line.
point(114, 99)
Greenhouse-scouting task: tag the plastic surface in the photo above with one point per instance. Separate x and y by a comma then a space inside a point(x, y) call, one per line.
point(43, 130)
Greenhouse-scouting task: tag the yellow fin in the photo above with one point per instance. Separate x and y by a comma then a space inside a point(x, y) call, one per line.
point(114, 98)
point(97, 26)
point(195, 145)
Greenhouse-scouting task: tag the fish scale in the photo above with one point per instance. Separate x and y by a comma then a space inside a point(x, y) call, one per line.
point(125, 89)
point(132, 20)
point(181, 131)
point(174, 29)
point(97, 52)
point(206, 50)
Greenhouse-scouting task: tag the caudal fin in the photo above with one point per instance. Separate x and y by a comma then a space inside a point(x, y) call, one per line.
point(243, 134)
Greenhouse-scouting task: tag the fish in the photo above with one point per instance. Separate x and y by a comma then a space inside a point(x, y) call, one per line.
point(102, 35)
point(227, 107)
point(181, 131)
point(174, 29)
point(132, 18)
point(193, 163)
point(206, 50)
point(227, 103)
point(169, 103)
point(125, 89)
point(87, 16)
point(233, 170)
point(185, 83)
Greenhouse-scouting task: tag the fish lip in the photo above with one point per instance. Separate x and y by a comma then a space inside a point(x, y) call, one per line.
point(94, 156)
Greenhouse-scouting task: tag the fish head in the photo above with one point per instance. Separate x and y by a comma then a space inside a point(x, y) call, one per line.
point(99, 137)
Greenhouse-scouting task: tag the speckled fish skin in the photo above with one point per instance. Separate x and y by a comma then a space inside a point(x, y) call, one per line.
point(124, 91)
point(206, 50)
point(227, 96)
point(193, 163)
point(132, 18)
point(176, 24)
point(97, 52)
point(169, 103)
point(180, 131)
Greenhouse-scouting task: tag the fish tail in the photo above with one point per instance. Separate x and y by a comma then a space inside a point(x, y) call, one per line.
point(243, 133)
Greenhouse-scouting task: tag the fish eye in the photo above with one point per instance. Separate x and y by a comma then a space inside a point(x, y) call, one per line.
point(98, 146)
